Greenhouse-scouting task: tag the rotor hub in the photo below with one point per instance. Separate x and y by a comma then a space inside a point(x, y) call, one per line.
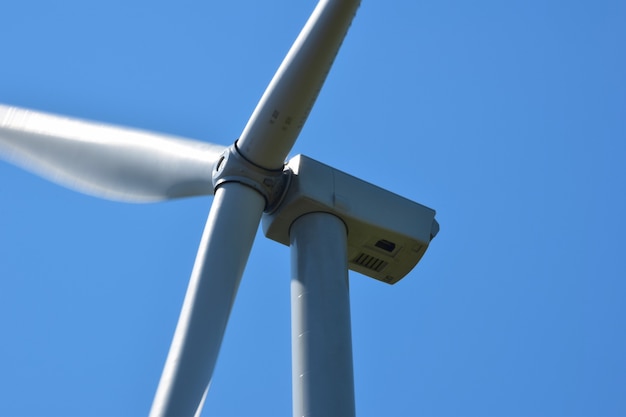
point(232, 166)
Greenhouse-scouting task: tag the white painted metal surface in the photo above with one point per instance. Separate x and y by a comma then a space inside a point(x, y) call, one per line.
point(284, 107)
point(321, 338)
point(266, 140)
point(382, 246)
point(222, 256)
point(132, 165)
point(107, 161)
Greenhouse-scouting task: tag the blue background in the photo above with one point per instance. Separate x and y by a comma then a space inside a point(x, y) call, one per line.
point(508, 118)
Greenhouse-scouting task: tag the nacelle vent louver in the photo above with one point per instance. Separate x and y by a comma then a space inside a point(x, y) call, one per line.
point(370, 262)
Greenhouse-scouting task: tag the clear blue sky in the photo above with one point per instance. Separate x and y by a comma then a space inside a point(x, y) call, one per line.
point(508, 118)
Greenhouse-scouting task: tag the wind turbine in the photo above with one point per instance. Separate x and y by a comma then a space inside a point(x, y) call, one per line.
point(331, 220)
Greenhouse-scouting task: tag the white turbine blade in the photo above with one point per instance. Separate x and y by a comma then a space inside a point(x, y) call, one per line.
point(236, 212)
point(224, 249)
point(107, 161)
point(284, 107)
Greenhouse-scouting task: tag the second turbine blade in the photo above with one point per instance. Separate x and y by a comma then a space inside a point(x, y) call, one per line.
point(223, 253)
point(107, 161)
point(285, 105)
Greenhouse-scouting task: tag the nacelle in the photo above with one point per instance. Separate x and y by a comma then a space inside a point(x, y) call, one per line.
point(387, 234)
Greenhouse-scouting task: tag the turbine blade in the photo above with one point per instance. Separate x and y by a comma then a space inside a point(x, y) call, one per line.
point(224, 249)
point(284, 107)
point(107, 161)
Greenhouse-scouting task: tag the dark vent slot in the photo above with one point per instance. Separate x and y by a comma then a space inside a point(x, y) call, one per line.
point(370, 262)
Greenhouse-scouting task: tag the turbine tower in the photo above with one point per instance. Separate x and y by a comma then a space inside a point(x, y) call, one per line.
point(332, 221)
